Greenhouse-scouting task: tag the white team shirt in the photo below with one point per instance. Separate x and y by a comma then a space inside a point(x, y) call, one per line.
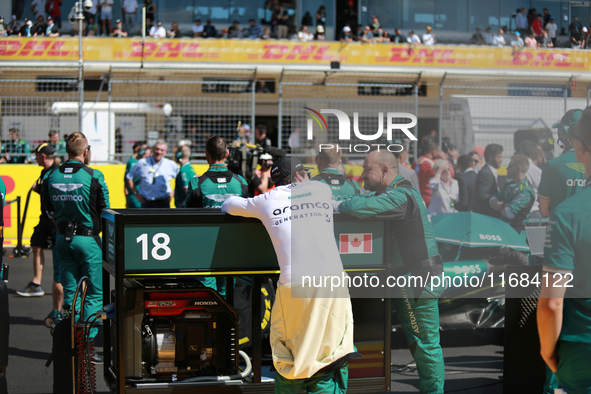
point(157, 32)
point(299, 220)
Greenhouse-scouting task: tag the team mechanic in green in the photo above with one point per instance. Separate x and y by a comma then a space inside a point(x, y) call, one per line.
point(214, 187)
point(139, 152)
point(517, 197)
point(564, 314)
point(75, 195)
point(186, 174)
point(417, 308)
point(563, 176)
point(328, 160)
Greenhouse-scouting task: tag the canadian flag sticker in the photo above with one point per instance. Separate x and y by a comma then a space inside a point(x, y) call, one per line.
point(355, 243)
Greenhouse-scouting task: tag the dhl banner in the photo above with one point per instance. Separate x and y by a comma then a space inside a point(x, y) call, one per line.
point(19, 178)
point(257, 52)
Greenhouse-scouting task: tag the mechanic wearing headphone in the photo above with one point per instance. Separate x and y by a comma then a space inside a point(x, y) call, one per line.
point(328, 160)
point(395, 198)
point(186, 174)
point(563, 176)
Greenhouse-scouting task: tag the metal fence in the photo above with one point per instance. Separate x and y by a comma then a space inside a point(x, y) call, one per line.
point(27, 100)
point(481, 109)
point(367, 94)
point(179, 105)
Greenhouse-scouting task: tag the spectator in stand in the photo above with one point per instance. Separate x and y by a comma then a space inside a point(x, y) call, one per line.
point(174, 32)
point(40, 27)
point(118, 30)
point(530, 41)
point(281, 16)
point(405, 171)
point(266, 34)
point(478, 37)
point(488, 36)
point(319, 35)
point(158, 31)
point(378, 35)
point(546, 41)
point(444, 189)
point(424, 167)
point(499, 39)
point(92, 12)
point(16, 146)
point(2, 27)
point(255, 30)
point(27, 29)
point(375, 23)
point(234, 30)
point(346, 35)
point(552, 29)
point(321, 17)
point(52, 7)
point(546, 15)
point(52, 29)
point(209, 30)
point(292, 32)
point(398, 37)
point(129, 11)
point(150, 9)
point(303, 34)
point(367, 36)
point(538, 27)
point(428, 37)
point(358, 33)
point(413, 39)
point(38, 8)
point(197, 29)
point(584, 36)
point(575, 30)
point(531, 17)
point(530, 150)
point(13, 26)
point(466, 177)
point(106, 15)
point(149, 26)
point(517, 42)
point(225, 34)
point(521, 22)
point(486, 182)
point(385, 36)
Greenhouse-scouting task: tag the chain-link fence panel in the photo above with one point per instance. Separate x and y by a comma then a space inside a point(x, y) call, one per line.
point(27, 96)
point(484, 109)
point(176, 105)
point(366, 98)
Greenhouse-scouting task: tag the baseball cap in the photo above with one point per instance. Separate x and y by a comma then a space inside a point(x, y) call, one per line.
point(346, 28)
point(44, 148)
point(517, 33)
point(283, 167)
point(159, 23)
point(13, 17)
point(29, 23)
point(584, 29)
point(246, 127)
point(320, 29)
point(266, 156)
point(428, 28)
point(49, 18)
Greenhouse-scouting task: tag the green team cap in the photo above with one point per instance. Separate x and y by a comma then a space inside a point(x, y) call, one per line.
point(568, 122)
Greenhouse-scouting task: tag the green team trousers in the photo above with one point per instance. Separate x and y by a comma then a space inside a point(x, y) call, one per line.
point(420, 322)
point(334, 382)
point(81, 257)
point(574, 364)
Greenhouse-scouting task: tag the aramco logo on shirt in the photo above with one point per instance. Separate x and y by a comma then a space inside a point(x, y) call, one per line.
point(392, 124)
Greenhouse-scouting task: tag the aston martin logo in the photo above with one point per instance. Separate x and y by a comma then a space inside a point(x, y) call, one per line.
point(67, 187)
point(577, 167)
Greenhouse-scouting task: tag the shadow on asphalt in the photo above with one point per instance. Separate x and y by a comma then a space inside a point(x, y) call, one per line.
point(26, 320)
point(12, 351)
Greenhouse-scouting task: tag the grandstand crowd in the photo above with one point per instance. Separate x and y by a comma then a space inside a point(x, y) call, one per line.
point(532, 29)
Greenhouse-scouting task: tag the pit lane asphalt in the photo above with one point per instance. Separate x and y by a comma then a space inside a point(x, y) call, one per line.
point(473, 362)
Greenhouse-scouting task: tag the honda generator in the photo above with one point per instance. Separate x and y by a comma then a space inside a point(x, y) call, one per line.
point(176, 332)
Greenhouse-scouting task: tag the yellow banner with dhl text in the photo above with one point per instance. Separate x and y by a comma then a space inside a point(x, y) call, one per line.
point(273, 52)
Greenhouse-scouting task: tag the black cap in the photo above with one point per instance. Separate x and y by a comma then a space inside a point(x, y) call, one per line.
point(284, 167)
point(44, 148)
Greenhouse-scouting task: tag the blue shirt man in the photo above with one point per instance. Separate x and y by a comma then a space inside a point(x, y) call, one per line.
point(155, 174)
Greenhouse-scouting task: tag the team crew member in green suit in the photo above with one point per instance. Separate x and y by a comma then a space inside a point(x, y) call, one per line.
point(563, 176)
point(74, 196)
point(328, 160)
point(214, 187)
point(517, 197)
point(59, 146)
point(186, 174)
point(140, 151)
point(417, 308)
point(564, 313)
point(218, 183)
point(15, 146)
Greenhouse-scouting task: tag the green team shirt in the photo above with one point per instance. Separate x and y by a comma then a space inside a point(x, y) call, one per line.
point(132, 201)
point(3, 193)
point(403, 204)
point(562, 177)
point(520, 197)
point(20, 146)
point(60, 149)
point(75, 192)
point(568, 247)
point(339, 184)
point(184, 177)
point(214, 187)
